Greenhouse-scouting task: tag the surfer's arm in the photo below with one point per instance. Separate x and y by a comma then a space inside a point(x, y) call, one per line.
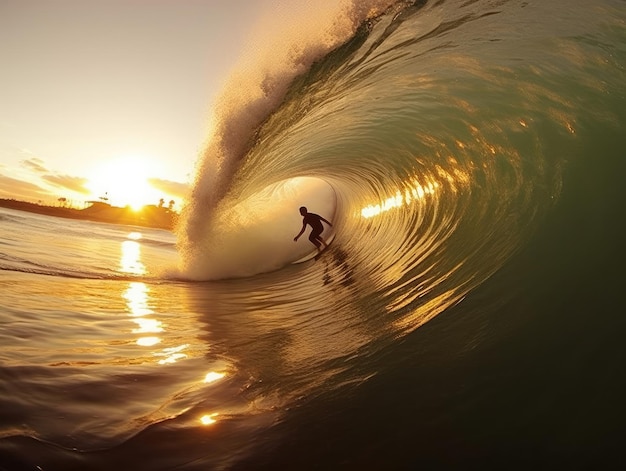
point(327, 222)
point(295, 239)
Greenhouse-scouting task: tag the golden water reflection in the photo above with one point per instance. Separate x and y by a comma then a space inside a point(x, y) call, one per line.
point(412, 191)
point(147, 326)
point(148, 341)
point(130, 261)
point(171, 354)
point(137, 297)
point(213, 376)
point(208, 419)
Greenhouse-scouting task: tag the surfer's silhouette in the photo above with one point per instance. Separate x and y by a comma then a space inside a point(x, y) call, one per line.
point(315, 221)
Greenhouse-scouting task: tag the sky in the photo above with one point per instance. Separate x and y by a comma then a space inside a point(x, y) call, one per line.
point(111, 98)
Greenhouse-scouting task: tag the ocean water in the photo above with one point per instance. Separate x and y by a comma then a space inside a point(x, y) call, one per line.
point(468, 315)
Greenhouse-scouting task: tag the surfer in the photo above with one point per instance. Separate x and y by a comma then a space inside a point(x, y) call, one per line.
point(315, 221)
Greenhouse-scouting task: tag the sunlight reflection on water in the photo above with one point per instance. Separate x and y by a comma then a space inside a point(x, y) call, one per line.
point(137, 297)
point(130, 261)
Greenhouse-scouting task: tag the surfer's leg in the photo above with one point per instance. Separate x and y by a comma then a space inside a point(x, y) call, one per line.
point(314, 238)
point(322, 241)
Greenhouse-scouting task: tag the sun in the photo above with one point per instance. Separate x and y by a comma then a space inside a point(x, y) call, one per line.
point(123, 182)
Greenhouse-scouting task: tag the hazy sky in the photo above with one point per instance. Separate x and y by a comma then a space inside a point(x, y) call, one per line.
point(99, 90)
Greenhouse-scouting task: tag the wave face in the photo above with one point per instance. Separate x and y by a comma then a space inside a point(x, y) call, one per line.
point(442, 132)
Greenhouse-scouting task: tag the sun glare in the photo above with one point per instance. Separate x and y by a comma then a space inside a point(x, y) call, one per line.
point(123, 182)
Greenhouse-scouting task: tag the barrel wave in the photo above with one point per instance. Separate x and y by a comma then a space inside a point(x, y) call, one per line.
point(444, 148)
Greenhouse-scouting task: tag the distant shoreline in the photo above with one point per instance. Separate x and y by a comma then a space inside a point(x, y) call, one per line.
point(149, 216)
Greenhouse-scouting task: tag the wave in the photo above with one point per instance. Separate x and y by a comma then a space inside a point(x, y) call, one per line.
point(441, 138)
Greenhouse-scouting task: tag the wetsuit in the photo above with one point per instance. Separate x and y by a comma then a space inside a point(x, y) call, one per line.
point(315, 221)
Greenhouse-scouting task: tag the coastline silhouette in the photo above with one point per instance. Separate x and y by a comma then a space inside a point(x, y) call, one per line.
point(149, 216)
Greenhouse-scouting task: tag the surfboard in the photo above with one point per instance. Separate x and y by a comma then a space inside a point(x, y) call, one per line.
point(315, 255)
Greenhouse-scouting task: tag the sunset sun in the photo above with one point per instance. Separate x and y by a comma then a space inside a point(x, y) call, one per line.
point(123, 182)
